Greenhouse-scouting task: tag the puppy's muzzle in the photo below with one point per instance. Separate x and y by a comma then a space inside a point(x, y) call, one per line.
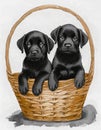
point(67, 45)
point(34, 52)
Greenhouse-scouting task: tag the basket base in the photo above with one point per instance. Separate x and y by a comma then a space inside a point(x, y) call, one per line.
point(56, 119)
point(88, 117)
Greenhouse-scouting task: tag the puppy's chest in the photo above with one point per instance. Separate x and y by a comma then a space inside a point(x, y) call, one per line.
point(65, 65)
point(70, 69)
point(32, 73)
point(69, 66)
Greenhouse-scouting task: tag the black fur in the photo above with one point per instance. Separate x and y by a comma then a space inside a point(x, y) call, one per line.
point(67, 61)
point(36, 64)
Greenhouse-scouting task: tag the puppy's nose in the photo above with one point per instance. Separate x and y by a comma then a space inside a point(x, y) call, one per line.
point(34, 52)
point(68, 45)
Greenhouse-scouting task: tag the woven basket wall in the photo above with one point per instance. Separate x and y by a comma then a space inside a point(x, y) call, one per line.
point(66, 102)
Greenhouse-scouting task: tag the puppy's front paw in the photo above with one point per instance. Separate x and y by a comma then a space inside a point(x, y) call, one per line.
point(37, 90)
point(79, 82)
point(53, 85)
point(23, 89)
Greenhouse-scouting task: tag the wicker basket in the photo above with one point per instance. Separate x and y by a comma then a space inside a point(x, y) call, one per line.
point(66, 102)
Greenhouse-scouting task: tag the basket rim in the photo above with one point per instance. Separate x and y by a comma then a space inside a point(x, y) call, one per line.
point(31, 79)
point(43, 7)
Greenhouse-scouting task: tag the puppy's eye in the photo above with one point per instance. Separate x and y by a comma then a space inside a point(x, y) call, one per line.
point(28, 44)
point(75, 39)
point(41, 44)
point(62, 38)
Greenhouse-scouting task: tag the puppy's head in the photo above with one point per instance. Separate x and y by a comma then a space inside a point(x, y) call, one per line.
point(69, 38)
point(35, 44)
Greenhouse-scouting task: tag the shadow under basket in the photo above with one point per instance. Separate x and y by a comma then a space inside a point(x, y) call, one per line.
point(63, 104)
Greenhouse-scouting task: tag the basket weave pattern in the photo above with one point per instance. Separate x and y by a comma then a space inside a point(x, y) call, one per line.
point(66, 102)
point(63, 104)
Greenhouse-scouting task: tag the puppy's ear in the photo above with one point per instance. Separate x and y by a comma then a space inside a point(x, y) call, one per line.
point(20, 43)
point(49, 42)
point(83, 38)
point(54, 34)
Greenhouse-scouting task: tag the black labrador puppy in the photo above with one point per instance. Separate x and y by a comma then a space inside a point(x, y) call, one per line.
point(67, 61)
point(36, 64)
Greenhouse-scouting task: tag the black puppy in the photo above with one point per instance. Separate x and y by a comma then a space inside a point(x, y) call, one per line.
point(67, 61)
point(36, 64)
